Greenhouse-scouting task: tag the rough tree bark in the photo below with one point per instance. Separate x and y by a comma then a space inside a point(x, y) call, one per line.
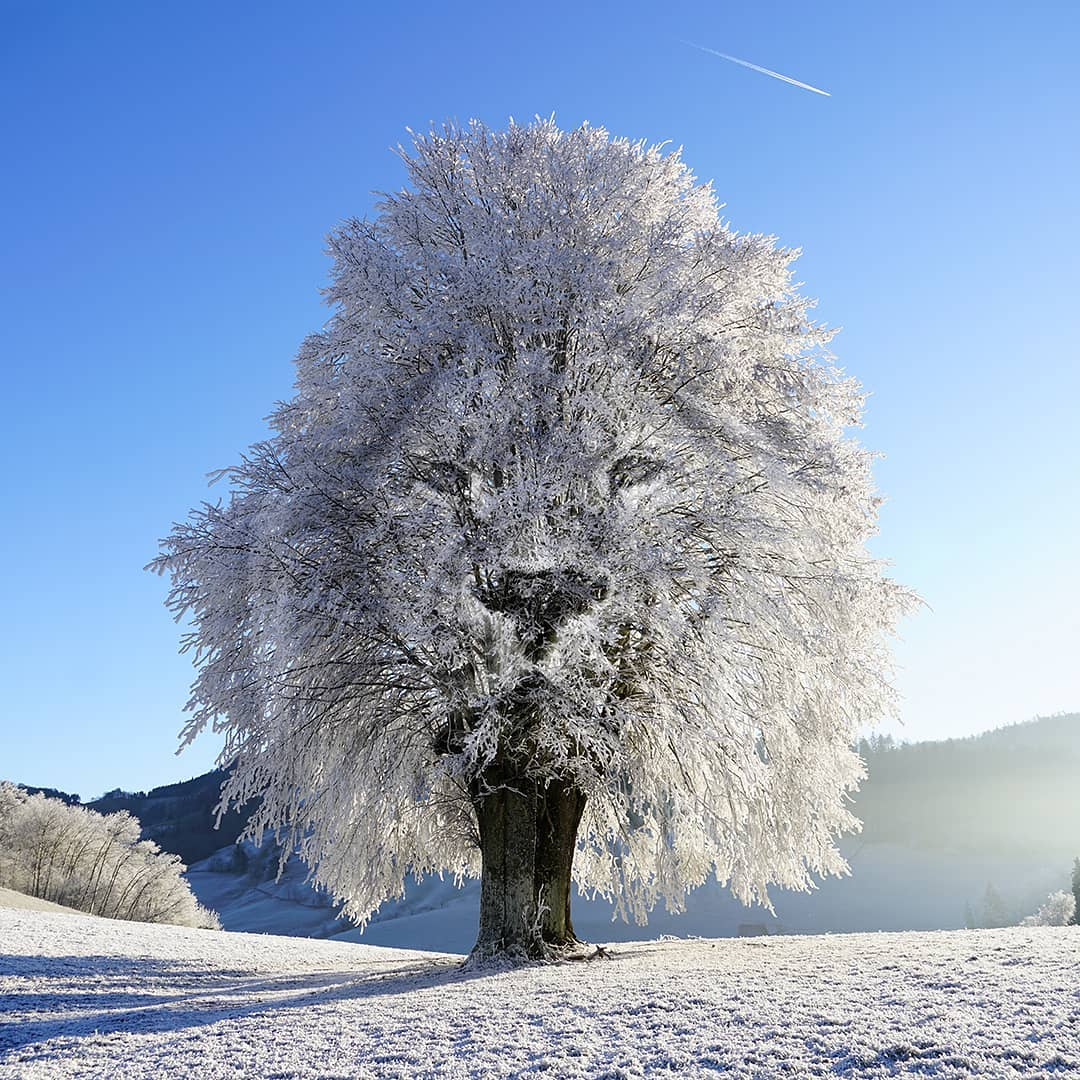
point(559, 810)
point(528, 833)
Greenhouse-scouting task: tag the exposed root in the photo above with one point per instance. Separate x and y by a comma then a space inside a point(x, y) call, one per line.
point(494, 959)
point(598, 953)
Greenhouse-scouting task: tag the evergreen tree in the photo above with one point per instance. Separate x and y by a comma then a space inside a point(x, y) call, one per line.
point(1076, 891)
point(995, 913)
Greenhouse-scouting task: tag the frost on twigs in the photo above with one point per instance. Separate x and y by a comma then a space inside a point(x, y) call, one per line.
point(534, 945)
point(78, 858)
point(557, 554)
point(1058, 910)
point(489, 960)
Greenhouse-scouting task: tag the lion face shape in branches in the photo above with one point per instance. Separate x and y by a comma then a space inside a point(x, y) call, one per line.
point(565, 481)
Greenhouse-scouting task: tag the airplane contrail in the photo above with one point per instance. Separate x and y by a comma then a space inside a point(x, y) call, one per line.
point(763, 70)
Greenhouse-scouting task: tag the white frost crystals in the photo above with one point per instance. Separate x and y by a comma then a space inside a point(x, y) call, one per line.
point(1058, 910)
point(78, 858)
point(564, 483)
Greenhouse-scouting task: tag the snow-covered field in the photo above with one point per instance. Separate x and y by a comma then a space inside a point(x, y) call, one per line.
point(81, 996)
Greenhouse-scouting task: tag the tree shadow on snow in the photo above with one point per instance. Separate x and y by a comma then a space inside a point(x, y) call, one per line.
point(81, 996)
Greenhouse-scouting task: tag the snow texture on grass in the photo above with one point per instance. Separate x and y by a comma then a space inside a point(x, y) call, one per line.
point(90, 997)
point(9, 898)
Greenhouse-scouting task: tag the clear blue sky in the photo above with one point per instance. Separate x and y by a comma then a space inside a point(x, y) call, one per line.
point(170, 172)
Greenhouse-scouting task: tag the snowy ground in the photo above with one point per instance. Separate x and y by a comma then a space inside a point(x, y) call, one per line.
point(9, 898)
point(81, 996)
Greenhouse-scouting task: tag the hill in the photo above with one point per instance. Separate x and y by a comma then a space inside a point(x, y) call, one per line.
point(168, 1001)
point(9, 898)
point(942, 822)
point(179, 817)
point(1015, 790)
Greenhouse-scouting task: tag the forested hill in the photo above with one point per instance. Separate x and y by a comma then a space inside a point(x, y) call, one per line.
point(179, 817)
point(1013, 790)
point(1010, 791)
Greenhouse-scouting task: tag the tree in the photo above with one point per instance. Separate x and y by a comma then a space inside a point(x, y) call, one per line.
point(969, 917)
point(995, 912)
point(93, 862)
point(553, 568)
point(1058, 910)
point(1076, 891)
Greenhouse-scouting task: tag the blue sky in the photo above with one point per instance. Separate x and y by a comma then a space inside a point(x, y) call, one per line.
point(171, 171)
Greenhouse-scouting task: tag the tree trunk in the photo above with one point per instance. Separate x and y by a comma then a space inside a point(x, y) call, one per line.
point(559, 813)
point(528, 834)
point(506, 818)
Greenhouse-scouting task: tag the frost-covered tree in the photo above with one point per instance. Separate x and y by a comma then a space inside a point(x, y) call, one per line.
point(1076, 891)
point(554, 565)
point(1058, 910)
point(93, 862)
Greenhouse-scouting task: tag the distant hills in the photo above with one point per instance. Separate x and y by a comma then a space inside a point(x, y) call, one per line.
point(179, 817)
point(1009, 791)
point(942, 822)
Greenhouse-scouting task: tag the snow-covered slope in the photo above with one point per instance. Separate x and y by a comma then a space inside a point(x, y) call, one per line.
point(240, 882)
point(942, 822)
point(890, 888)
point(9, 898)
point(84, 996)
